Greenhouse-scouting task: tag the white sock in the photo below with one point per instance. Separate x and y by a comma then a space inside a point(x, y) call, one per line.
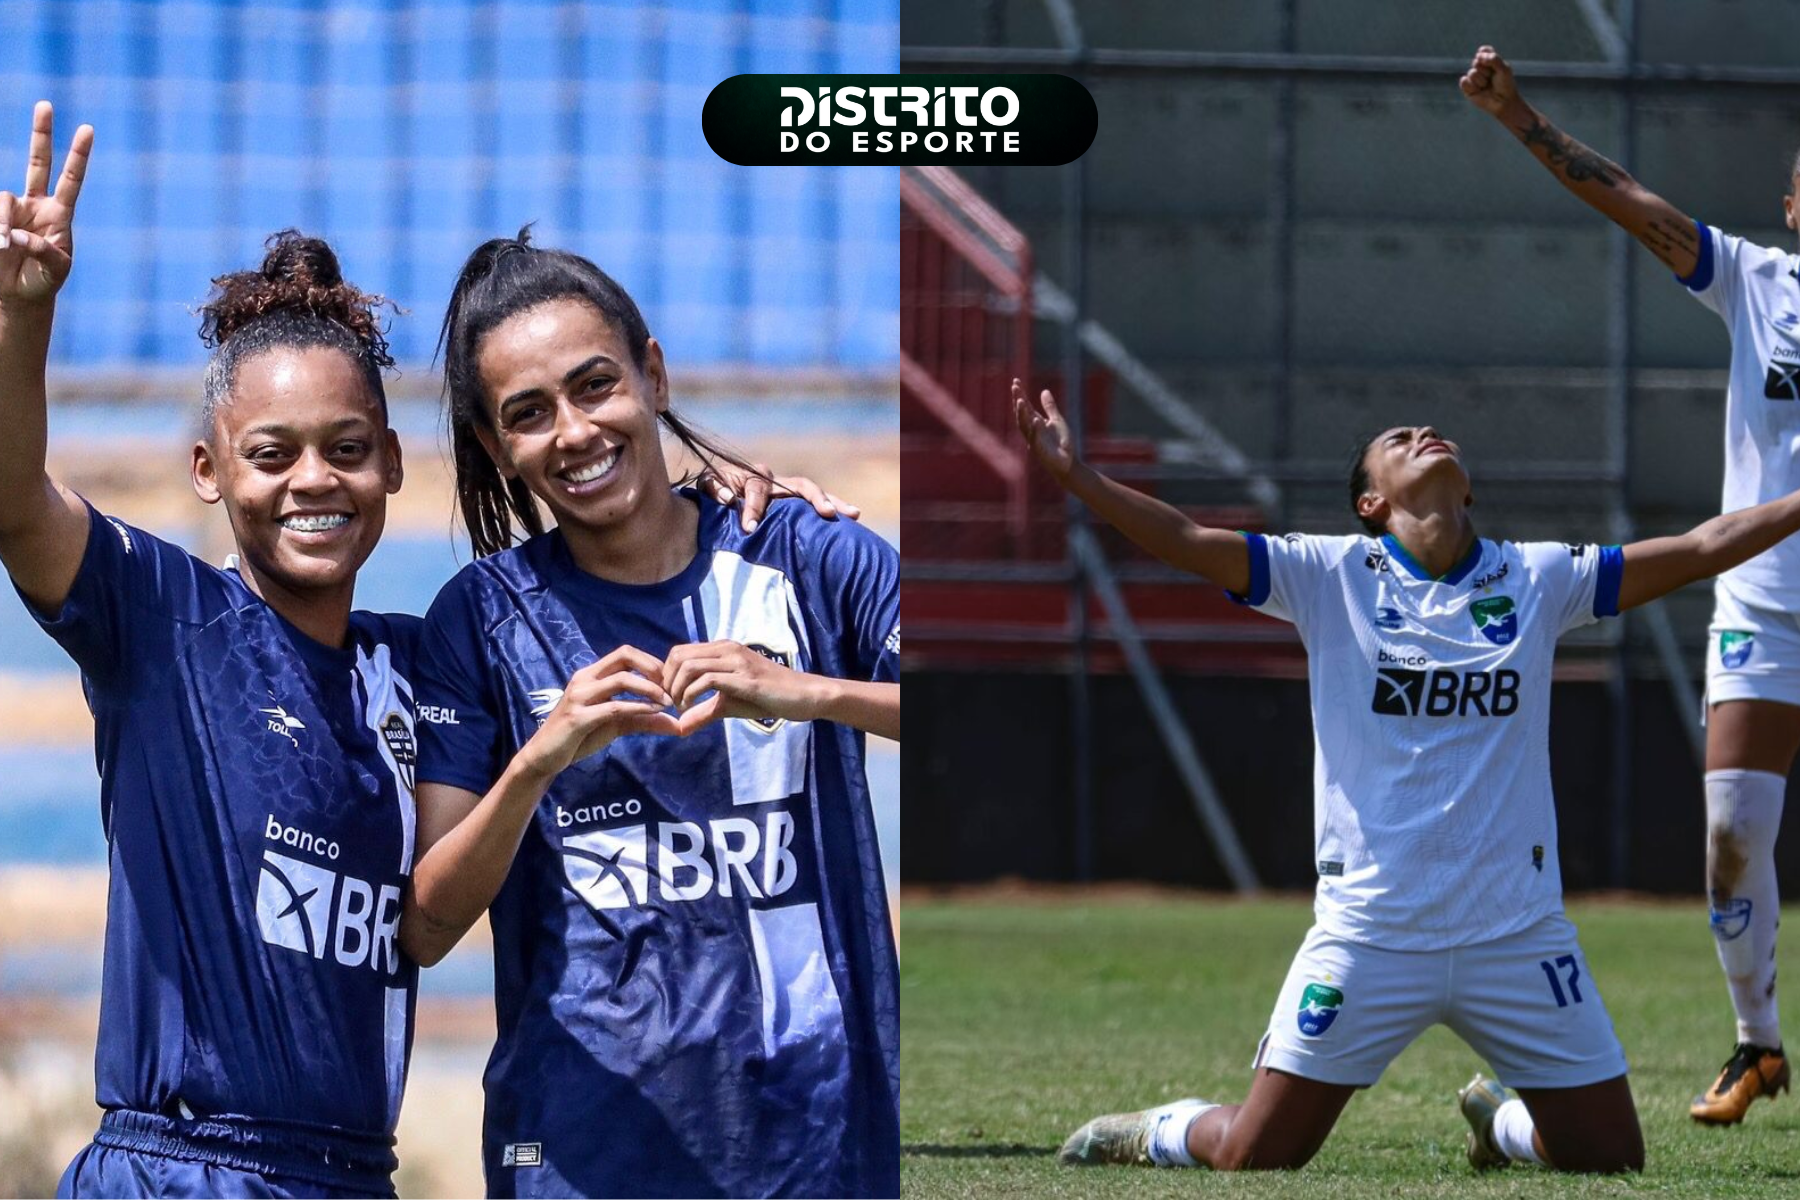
point(1169, 1130)
point(1512, 1132)
point(1743, 815)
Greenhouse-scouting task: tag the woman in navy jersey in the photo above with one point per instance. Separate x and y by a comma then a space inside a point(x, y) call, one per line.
point(644, 749)
point(254, 734)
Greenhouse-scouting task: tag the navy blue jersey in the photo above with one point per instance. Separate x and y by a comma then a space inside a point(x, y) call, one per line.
point(256, 792)
point(693, 957)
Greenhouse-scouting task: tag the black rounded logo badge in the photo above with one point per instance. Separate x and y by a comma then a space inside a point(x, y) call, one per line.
point(886, 120)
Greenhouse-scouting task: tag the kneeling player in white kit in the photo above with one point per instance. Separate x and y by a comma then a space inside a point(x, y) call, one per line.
point(1753, 656)
point(1429, 653)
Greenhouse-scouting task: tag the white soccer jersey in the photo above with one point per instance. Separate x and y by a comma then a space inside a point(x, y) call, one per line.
point(1756, 292)
point(1432, 815)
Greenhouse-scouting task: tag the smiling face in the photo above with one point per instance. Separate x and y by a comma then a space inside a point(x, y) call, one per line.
point(304, 463)
point(1400, 460)
point(572, 415)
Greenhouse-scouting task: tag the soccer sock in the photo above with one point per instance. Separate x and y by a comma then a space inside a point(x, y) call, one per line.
point(1512, 1132)
point(1169, 1130)
point(1743, 815)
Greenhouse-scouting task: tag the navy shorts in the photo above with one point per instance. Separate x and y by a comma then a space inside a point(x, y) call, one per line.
point(139, 1154)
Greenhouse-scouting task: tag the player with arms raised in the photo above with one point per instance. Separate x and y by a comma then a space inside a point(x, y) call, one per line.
point(1429, 655)
point(1753, 655)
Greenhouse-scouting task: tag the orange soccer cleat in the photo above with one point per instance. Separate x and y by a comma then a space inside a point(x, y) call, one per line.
point(1751, 1071)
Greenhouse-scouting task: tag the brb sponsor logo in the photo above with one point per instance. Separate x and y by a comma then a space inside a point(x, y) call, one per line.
point(1443, 692)
point(680, 861)
point(317, 911)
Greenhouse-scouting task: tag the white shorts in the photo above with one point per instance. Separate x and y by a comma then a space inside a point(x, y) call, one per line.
point(1751, 653)
point(1525, 1003)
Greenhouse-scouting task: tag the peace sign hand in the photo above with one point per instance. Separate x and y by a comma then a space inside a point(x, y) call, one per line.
point(37, 243)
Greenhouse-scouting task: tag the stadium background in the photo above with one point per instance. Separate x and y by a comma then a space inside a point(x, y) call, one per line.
point(405, 131)
point(1292, 229)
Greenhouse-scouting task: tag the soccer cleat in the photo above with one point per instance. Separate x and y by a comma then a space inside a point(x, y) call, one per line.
point(1751, 1071)
point(1479, 1101)
point(1121, 1139)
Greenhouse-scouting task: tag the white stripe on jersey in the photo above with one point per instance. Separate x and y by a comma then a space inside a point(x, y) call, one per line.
point(388, 712)
point(749, 603)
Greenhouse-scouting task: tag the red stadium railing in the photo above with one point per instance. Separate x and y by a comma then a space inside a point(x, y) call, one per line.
point(965, 327)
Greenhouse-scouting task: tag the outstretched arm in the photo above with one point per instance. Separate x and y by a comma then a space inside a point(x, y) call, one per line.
point(1161, 529)
point(1663, 229)
point(43, 525)
point(1657, 566)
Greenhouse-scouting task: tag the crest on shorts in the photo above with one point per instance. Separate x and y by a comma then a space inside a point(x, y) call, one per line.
point(1735, 648)
point(1496, 618)
point(1729, 918)
point(399, 738)
point(1319, 1005)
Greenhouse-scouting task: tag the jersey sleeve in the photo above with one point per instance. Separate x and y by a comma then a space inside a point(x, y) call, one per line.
point(1579, 584)
point(455, 703)
point(129, 593)
point(1287, 574)
point(858, 607)
point(1721, 275)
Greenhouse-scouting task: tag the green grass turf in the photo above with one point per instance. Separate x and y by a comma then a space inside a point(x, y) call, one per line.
point(1022, 1018)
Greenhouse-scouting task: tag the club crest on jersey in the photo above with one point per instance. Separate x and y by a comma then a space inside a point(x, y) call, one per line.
point(1319, 1006)
point(1496, 618)
point(399, 738)
point(782, 658)
point(1729, 918)
point(1735, 648)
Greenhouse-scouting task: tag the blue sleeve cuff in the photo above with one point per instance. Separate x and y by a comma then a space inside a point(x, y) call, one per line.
point(1606, 587)
point(1701, 277)
point(1259, 573)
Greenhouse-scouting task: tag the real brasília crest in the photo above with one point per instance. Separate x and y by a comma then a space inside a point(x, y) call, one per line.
point(1319, 1005)
point(1496, 618)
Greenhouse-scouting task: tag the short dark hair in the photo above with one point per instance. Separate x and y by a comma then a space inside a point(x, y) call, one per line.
point(502, 278)
point(1359, 483)
point(1793, 170)
point(298, 298)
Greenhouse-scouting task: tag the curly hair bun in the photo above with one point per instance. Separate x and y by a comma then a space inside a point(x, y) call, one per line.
point(299, 275)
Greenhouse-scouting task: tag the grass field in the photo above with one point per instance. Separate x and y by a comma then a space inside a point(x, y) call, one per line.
point(1024, 1016)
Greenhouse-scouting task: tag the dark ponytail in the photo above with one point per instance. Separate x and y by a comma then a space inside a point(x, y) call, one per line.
point(502, 278)
point(298, 298)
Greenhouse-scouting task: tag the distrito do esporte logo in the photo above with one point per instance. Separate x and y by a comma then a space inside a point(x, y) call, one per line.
point(1036, 120)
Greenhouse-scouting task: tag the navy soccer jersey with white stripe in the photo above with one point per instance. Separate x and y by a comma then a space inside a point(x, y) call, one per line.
point(256, 791)
point(694, 962)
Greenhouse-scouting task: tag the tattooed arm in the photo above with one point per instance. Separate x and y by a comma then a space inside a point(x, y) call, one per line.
point(1663, 229)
